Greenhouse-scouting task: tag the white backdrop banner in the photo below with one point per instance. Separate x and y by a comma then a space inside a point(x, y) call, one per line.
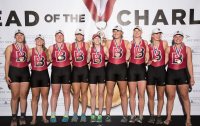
point(47, 16)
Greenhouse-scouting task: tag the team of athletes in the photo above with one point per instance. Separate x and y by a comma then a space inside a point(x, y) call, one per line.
point(82, 65)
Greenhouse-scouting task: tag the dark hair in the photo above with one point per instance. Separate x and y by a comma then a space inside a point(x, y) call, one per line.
point(173, 43)
point(151, 40)
point(44, 48)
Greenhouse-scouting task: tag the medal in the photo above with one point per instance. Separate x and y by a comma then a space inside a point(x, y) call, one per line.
point(178, 61)
point(21, 59)
point(39, 64)
point(60, 57)
point(154, 60)
point(59, 51)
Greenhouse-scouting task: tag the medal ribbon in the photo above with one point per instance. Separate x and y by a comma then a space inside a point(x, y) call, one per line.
point(178, 51)
point(20, 49)
point(59, 49)
point(39, 54)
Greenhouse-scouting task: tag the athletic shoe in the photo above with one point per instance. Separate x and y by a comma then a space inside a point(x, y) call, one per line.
point(108, 119)
point(53, 119)
point(65, 119)
point(13, 122)
point(74, 118)
point(139, 119)
point(151, 119)
point(93, 118)
point(124, 119)
point(99, 118)
point(159, 120)
point(132, 119)
point(83, 118)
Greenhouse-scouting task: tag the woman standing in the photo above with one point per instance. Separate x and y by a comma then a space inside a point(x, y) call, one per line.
point(179, 58)
point(17, 76)
point(139, 54)
point(156, 75)
point(96, 56)
point(117, 72)
point(60, 76)
point(80, 73)
point(39, 78)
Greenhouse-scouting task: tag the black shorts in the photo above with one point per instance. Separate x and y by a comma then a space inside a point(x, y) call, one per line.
point(80, 74)
point(136, 72)
point(19, 74)
point(61, 75)
point(177, 77)
point(116, 72)
point(156, 75)
point(97, 75)
point(40, 79)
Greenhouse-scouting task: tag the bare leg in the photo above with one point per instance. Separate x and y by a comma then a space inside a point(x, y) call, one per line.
point(54, 96)
point(171, 92)
point(76, 94)
point(160, 97)
point(141, 94)
point(101, 88)
point(34, 103)
point(132, 92)
point(151, 95)
point(45, 104)
point(123, 94)
point(84, 98)
point(110, 90)
point(93, 97)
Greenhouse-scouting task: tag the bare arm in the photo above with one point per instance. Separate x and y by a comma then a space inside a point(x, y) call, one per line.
point(7, 63)
point(147, 52)
point(106, 52)
point(50, 50)
point(88, 55)
point(28, 56)
point(128, 54)
point(190, 65)
point(167, 55)
point(165, 44)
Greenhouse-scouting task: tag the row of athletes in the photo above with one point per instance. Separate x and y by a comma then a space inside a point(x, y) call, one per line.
point(118, 52)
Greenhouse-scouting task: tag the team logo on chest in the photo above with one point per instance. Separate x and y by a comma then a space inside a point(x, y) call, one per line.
point(39, 61)
point(139, 52)
point(79, 56)
point(156, 55)
point(97, 58)
point(60, 56)
point(21, 56)
point(117, 52)
point(177, 59)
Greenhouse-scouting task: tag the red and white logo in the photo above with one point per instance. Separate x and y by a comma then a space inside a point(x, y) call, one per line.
point(100, 10)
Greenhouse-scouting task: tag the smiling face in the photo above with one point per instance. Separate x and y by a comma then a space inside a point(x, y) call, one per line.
point(19, 37)
point(117, 34)
point(79, 37)
point(39, 42)
point(59, 37)
point(137, 33)
point(156, 36)
point(178, 39)
point(96, 40)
